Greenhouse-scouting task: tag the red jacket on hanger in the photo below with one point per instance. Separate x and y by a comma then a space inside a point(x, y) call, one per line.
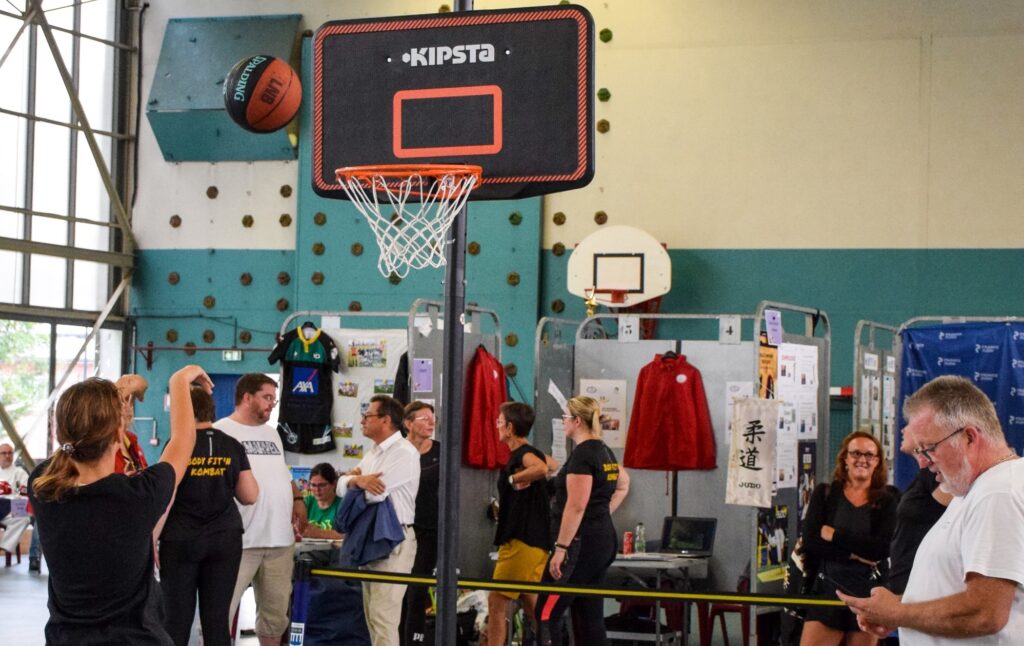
point(486, 390)
point(670, 428)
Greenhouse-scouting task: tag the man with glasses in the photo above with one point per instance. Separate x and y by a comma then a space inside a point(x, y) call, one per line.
point(390, 470)
point(271, 524)
point(965, 586)
point(13, 481)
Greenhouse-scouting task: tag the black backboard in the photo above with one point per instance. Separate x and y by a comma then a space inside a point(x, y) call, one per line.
point(508, 90)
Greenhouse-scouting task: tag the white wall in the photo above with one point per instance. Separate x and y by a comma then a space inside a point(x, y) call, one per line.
point(742, 124)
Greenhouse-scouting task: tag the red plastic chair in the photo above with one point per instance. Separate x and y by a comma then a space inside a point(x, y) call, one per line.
point(719, 610)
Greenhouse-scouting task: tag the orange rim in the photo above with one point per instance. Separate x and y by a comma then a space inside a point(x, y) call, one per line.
point(406, 170)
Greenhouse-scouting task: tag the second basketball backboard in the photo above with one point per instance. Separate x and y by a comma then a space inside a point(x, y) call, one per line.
point(508, 90)
point(619, 266)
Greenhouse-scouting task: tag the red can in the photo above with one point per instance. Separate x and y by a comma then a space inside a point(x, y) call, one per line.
point(627, 543)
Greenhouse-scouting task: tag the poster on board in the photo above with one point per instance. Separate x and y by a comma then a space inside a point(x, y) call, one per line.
point(611, 396)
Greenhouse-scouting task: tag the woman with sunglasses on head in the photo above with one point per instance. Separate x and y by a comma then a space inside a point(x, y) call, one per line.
point(588, 489)
point(96, 525)
point(523, 535)
point(846, 536)
point(322, 503)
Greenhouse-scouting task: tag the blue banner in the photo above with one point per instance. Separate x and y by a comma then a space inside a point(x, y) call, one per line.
point(990, 354)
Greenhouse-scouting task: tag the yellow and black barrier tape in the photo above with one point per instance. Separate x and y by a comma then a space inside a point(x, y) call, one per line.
point(592, 591)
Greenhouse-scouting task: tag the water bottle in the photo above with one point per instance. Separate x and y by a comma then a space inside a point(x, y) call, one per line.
point(640, 539)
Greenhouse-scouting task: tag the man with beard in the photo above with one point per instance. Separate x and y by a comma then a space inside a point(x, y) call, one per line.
point(965, 586)
point(270, 524)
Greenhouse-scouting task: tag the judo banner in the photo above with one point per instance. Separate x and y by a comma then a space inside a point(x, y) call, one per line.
point(990, 354)
point(752, 452)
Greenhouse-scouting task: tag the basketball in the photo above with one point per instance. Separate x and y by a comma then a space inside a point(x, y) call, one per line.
point(262, 93)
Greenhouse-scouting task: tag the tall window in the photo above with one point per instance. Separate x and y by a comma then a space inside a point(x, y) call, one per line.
point(63, 246)
point(60, 244)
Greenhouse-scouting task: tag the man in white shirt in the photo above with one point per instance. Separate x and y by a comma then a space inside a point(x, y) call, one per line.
point(13, 483)
point(391, 469)
point(268, 553)
point(965, 586)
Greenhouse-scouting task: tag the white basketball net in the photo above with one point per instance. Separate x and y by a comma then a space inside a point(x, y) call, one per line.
point(410, 215)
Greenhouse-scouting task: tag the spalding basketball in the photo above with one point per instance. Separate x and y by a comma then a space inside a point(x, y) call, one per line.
point(262, 93)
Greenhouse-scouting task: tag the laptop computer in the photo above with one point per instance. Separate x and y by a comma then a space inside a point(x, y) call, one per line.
point(685, 536)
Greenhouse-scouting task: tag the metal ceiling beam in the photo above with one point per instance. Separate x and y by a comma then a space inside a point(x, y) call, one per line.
point(112, 258)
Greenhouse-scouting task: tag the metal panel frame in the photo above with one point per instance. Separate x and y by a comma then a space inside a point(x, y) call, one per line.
point(877, 425)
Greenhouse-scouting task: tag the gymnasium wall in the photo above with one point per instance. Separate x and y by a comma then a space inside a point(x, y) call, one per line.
point(860, 157)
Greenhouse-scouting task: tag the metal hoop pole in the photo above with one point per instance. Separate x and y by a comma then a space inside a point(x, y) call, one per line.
point(451, 397)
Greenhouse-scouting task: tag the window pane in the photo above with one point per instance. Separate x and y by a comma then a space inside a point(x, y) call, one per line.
point(98, 19)
point(92, 236)
point(108, 348)
point(47, 279)
point(24, 379)
point(10, 278)
point(50, 179)
point(12, 159)
point(91, 201)
point(69, 342)
point(51, 97)
point(14, 73)
point(61, 16)
point(12, 225)
point(49, 230)
point(90, 285)
point(95, 82)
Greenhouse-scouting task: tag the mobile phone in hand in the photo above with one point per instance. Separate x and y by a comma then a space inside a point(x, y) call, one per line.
point(838, 586)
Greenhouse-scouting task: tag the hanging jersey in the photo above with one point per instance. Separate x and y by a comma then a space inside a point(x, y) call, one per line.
point(485, 392)
point(306, 389)
point(670, 428)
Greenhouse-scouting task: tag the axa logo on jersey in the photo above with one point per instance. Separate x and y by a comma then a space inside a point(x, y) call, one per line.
point(306, 381)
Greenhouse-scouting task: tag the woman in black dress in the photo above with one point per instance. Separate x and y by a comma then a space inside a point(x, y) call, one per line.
point(96, 525)
point(588, 489)
point(849, 525)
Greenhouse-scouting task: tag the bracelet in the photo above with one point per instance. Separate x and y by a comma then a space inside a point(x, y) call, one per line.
point(297, 498)
point(560, 546)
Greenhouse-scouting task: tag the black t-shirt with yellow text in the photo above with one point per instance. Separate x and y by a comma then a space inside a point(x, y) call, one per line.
point(595, 459)
point(205, 502)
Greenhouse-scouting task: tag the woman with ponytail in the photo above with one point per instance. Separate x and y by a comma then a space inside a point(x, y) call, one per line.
point(96, 525)
point(588, 489)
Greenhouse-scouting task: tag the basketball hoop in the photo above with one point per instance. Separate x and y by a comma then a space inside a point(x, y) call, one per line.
point(410, 208)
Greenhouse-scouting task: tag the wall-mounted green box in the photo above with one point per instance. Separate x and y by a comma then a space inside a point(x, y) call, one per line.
point(186, 101)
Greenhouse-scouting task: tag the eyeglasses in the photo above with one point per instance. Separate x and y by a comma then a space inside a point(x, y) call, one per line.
point(862, 455)
point(423, 419)
point(366, 415)
point(270, 399)
point(319, 485)
point(927, 451)
point(566, 417)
